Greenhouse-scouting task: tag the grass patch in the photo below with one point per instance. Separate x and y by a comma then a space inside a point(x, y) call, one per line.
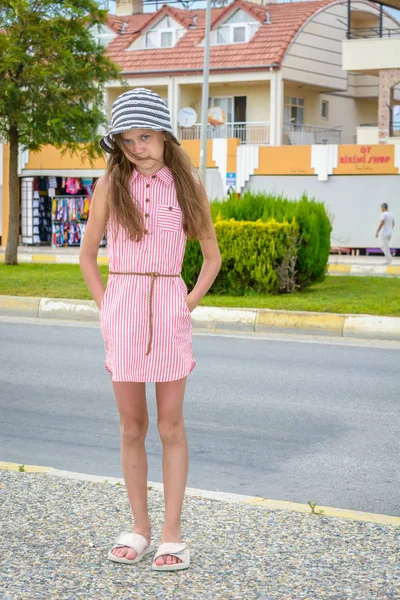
point(48, 281)
point(368, 295)
point(357, 295)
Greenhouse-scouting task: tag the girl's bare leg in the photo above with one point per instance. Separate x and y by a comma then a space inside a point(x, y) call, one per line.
point(170, 396)
point(131, 402)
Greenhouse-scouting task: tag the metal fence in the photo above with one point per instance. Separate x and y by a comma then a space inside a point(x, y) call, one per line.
point(259, 133)
point(247, 133)
point(373, 32)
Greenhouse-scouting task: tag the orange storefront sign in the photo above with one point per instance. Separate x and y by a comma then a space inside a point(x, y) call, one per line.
point(366, 160)
point(284, 160)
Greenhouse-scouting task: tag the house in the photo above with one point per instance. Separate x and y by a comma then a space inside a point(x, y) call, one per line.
point(297, 85)
point(373, 49)
point(275, 69)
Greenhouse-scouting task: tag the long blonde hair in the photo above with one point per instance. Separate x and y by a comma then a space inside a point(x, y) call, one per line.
point(190, 191)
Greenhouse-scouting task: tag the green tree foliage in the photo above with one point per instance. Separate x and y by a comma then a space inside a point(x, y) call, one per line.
point(311, 217)
point(51, 77)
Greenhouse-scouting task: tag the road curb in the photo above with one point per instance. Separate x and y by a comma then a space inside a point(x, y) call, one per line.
point(59, 308)
point(328, 511)
point(218, 320)
point(21, 306)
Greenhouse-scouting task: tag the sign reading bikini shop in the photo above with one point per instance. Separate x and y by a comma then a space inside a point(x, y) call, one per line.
point(376, 159)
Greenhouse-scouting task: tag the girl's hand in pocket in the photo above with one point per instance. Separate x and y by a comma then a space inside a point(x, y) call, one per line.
point(191, 303)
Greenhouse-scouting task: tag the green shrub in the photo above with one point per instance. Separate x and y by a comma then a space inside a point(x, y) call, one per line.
point(311, 217)
point(250, 252)
point(192, 263)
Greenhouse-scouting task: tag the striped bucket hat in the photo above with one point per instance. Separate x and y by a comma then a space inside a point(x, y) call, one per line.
point(137, 109)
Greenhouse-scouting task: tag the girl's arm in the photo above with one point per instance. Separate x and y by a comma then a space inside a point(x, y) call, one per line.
point(91, 240)
point(209, 270)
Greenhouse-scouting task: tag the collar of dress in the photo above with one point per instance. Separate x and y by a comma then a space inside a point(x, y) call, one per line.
point(164, 175)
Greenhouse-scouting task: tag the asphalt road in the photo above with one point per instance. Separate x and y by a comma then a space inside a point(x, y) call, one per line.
point(282, 418)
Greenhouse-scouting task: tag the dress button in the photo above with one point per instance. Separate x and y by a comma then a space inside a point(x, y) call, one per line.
point(147, 185)
point(147, 200)
point(145, 232)
point(146, 215)
point(169, 207)
point(153, 176)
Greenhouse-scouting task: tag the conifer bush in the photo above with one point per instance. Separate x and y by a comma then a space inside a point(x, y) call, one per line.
point(311, 216)
point(250, 253)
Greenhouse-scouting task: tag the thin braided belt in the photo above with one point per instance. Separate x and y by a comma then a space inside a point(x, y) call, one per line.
point(153, 276)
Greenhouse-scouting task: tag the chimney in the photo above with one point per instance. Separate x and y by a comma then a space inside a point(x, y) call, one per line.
point(128, 7)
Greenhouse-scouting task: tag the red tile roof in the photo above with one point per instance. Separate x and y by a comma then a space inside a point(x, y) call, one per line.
point(267, 46)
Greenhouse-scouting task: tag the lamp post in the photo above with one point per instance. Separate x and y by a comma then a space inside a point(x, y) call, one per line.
point(204, 104)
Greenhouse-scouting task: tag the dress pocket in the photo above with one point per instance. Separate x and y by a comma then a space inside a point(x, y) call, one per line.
point(169, 218)
point(182, 289)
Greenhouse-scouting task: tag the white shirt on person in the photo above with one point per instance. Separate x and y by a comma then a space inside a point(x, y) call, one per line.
point(388, 221)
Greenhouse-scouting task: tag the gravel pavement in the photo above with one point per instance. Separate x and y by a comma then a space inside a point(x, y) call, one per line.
point(56, 534)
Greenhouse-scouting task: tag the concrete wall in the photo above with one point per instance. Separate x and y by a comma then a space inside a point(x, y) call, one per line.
point(372, 54)
point(352, 201)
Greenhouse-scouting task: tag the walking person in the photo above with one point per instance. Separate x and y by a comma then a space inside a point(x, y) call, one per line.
point(149, 201)
point(386, 225)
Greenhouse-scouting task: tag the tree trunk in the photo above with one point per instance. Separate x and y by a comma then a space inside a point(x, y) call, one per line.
point(11, 257)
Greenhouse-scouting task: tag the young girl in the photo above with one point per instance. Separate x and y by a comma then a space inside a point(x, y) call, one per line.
point(150, 201)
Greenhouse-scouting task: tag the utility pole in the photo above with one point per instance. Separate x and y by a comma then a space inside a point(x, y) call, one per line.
point(204, 105)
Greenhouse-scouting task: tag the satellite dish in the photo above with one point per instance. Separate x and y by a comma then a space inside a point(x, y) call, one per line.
point(187, 117)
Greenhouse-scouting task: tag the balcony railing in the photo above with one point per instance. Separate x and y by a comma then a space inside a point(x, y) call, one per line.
point(297, 134)
point(248, 133)
point(259, 133)
point(357, 33)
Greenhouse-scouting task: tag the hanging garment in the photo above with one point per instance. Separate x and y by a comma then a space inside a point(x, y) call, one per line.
point(51, 182)
point(72, 185)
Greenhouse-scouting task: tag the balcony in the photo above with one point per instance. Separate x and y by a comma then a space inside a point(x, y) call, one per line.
point(357, 33)
point(259, 133)
point(248, 133)
point(296, 134)
point(370, 54)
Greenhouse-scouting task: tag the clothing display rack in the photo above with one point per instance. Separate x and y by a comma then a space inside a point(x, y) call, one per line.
point(69, 219)
point(35, 213)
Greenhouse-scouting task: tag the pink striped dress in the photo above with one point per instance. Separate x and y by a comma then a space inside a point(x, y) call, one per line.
point(124, 312)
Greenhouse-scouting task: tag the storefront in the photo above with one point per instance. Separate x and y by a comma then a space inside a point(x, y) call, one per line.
point(55, 209)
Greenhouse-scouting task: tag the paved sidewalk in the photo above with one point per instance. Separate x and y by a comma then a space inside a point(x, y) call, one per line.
point(56, 533)
point(337, 264)
point(373, 266)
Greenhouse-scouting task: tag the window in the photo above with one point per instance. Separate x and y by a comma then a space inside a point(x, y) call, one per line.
point(152, 39)
point(238, 29)
point(239, 34)
point(166, 39)
point(294, 110)
point(325, 109)
point(223, 35)
point(165, 35)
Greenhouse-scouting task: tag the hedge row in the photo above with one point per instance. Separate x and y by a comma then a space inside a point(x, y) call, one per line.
point(313, 221)
point(252, 253)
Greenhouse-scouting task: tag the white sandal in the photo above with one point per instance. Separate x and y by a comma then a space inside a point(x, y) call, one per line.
point(131, 540)
point(173, 549)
